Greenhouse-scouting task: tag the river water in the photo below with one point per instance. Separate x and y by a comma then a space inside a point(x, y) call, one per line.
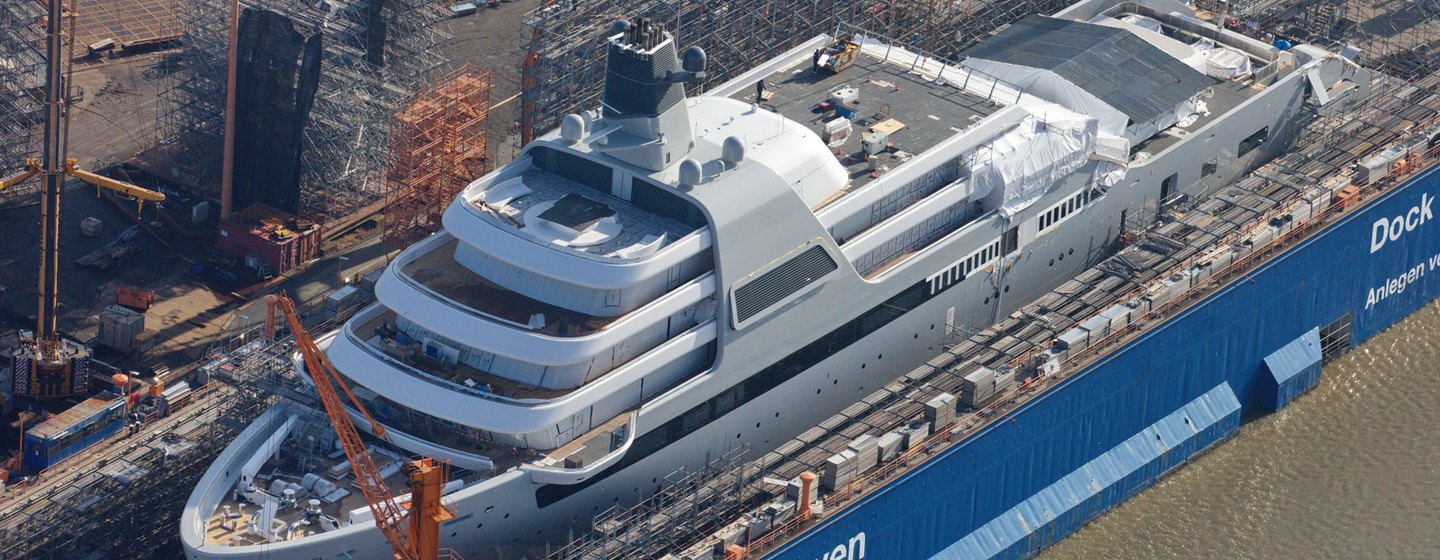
point(1350, 470)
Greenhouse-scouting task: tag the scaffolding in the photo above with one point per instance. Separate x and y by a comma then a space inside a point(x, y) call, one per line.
point(439, 145)
point(690, 507)
point(375, 54)
point(22, 73)
point(137, 487)
point(564, 64)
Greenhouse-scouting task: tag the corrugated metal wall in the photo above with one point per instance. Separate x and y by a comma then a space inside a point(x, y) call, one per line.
point(1294, 369)
point(1223, 341)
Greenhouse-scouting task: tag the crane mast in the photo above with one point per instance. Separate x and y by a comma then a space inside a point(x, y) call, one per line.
point(47, 365)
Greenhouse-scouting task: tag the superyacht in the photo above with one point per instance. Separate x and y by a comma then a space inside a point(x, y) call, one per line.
point(670, 277)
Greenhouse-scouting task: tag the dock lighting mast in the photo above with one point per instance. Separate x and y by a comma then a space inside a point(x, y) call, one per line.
point(45, 364)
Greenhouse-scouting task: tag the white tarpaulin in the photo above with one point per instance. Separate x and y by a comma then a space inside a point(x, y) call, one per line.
point(1223, 63)
point(1113, 153)
point(1050, 87)
point(1143, 22)
point(1024, 162)
point(1151, 32)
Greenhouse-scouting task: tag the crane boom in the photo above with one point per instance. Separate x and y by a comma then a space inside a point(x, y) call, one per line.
point(392, 518)
point(138, 193)
point(32, 166)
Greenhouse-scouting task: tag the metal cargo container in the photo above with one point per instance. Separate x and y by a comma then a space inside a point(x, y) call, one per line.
point(120, 326)
point(867, 452)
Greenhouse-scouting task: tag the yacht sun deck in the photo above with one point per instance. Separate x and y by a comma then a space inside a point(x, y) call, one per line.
point(558, 211)
point(889, 96)
point(438, 271)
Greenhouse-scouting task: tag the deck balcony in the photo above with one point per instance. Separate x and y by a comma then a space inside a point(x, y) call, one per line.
point(533, 417)
point(574, 245)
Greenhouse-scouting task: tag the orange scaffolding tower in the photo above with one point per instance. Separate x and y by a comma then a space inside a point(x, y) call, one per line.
point(439, 144)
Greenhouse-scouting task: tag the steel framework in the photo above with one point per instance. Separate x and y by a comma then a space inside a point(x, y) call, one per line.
point(22, 75)
point(376, 54)
point(439, 144)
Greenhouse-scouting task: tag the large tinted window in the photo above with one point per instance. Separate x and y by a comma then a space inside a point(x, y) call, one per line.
point(661, 202)
point(1253, 141)
point(575, 168)
point(746, 391)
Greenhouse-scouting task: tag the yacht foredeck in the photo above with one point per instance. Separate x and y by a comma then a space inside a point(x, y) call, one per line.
point(242, 523)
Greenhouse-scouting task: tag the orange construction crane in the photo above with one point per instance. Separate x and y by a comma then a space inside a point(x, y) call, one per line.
point(414, 534)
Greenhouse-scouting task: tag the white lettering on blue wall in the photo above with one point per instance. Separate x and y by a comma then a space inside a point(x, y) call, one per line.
point(1390, 229)
point(854, 549)
point(1397, 285)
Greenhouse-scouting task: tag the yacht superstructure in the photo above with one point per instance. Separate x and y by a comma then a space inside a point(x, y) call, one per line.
point(670, 277)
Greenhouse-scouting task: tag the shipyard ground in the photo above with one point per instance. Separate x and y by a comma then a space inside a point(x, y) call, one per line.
point(116, 120)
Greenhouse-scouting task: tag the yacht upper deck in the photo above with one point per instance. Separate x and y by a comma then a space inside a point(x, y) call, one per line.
point(563, 203)
point(380, 334)
point(893, 95)
point(438, 271)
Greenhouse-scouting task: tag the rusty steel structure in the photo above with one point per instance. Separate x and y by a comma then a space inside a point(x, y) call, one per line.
point(439, 143)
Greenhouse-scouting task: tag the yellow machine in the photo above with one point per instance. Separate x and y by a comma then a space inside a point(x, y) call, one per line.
point(54, 367)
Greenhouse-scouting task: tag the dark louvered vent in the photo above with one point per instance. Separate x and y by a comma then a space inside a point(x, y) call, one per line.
point(781, 281)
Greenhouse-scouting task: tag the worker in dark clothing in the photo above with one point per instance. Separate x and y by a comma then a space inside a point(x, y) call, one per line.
point(815, 61)
point(759, 91)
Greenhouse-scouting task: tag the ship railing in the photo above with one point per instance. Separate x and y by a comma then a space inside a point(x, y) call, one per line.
point(432, 378)
point(1259, 254)
point(963, 426)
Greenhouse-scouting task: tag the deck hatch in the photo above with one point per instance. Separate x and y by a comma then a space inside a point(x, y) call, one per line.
point(775, 284)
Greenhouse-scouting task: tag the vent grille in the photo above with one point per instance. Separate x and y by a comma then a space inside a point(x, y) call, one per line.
point(777, 283)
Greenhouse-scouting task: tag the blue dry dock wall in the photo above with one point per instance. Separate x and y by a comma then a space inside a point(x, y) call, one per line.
point(1222, 340)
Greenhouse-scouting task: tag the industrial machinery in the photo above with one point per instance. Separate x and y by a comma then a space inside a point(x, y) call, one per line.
point(46, 365)
point(412, 534)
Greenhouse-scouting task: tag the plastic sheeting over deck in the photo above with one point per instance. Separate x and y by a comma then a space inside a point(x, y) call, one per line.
point(1039, 152)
